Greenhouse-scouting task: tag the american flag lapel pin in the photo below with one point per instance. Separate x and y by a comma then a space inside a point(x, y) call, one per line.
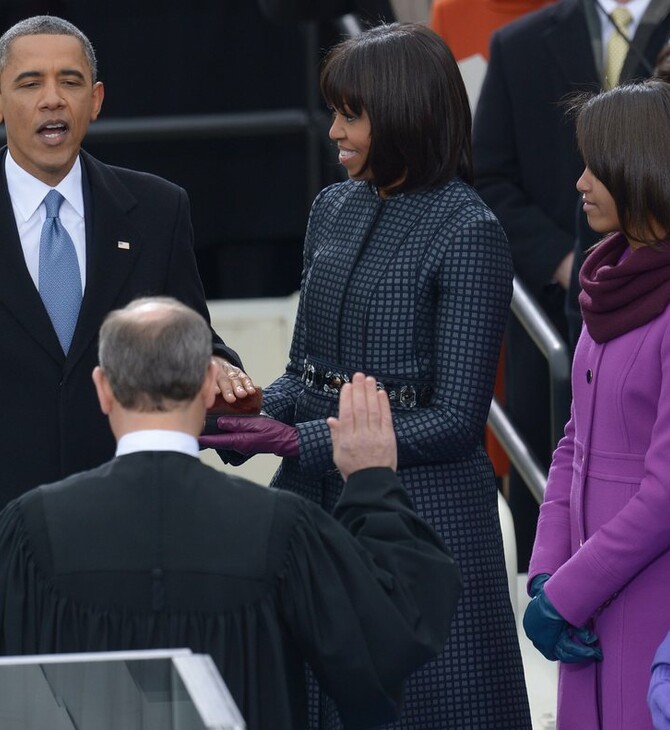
point(123, 245)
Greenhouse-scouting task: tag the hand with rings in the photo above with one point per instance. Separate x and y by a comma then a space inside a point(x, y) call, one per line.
point(236, 387)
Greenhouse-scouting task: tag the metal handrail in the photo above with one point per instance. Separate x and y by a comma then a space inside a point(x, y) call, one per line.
point(553, 347)
point(555, 350)
point(515, 447)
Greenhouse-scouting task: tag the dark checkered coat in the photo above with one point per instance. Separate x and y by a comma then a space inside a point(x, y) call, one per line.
point(411, 289)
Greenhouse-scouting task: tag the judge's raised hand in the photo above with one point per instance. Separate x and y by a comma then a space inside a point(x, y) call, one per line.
point(234, 384)
point(363, 434)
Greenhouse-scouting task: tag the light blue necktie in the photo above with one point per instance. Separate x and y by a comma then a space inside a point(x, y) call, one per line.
point(59, 278)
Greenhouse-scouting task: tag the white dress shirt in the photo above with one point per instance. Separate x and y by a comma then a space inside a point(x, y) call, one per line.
point(158, 440)
point(27, 194)
point(635, 7)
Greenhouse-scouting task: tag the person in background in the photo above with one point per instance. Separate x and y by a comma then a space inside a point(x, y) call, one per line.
point(79, 238)
point(156, 550)
point(598, 572)
point(407, 276)
point(526, 162)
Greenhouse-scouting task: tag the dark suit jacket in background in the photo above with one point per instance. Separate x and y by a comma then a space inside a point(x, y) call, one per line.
point(261, 580)
point(51, 421)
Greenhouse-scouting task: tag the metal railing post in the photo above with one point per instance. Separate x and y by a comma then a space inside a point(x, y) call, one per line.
point(552, 346)
point(555, 350)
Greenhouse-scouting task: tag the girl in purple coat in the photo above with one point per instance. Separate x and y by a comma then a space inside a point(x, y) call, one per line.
point(601, 559)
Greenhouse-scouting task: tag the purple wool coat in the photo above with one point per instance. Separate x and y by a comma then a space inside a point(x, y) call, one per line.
point(604, 527)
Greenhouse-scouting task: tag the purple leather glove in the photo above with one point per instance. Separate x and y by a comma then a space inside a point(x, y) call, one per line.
point(253, 435)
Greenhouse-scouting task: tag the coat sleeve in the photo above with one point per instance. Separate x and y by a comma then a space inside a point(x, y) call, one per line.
point(473, 289)
point(538, 244)
point(552, 539)
point(370, 599)
point(633, 538)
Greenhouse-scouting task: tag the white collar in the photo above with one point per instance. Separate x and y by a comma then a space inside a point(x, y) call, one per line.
point(27, 192)
point(636, 8)
point(157, 440)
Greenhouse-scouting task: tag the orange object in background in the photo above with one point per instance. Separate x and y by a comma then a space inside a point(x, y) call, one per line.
point(496, 453)
point(467, 25)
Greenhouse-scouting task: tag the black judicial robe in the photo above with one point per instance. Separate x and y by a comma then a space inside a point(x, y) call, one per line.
point(155, 549)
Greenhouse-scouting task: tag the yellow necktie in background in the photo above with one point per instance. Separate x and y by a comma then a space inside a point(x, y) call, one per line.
point(617, 46)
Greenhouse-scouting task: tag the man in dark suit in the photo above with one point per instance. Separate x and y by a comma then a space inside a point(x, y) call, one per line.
point(526, 166)
point(131, 234)
point(155, 550)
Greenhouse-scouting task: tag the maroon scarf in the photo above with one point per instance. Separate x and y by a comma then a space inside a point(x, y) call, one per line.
point(618, 296)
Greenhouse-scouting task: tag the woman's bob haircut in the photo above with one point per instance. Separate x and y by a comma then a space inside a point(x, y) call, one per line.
point(406, 79)
point(624, 137)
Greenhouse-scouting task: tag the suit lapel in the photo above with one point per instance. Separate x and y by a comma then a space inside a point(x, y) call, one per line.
point(648, 41)
point(112, 248)
point(570, 31)
point(17, 289)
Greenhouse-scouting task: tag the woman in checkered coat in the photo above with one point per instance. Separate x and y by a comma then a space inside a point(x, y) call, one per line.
point(408, 277)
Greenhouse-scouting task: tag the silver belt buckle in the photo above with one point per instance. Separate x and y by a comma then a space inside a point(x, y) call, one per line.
point(408, 396)
point(308, 375)
point(333, 382)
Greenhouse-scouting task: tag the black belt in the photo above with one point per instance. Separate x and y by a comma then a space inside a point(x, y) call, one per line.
point(328, 380)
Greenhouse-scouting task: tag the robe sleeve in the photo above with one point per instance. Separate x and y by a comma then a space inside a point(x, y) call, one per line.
point(17, 586)
point(370, 599)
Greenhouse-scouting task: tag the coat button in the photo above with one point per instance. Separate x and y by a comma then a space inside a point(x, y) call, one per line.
point(589, 375)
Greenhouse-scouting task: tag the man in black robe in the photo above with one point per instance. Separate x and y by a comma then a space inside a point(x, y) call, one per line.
point(154, 549)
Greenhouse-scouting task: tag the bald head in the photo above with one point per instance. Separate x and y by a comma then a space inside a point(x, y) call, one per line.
point(155, 353)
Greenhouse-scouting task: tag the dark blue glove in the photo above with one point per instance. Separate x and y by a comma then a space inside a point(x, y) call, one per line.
point(554, 637)
point(537, 583)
